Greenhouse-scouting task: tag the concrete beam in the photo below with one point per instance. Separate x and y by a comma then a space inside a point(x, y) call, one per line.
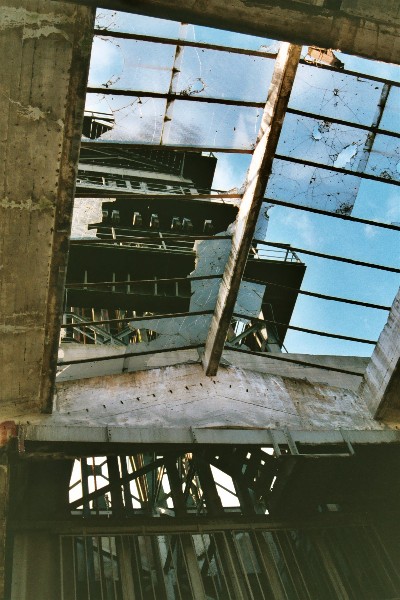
point(380, 387)
point(257, 178)
point(177, 397)
point(369, 29)
point(45, 49)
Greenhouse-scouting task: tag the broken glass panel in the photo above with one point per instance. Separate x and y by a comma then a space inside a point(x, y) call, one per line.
point(310, 186)
point(139, 24)
point(131, 65)
point(213, 125)
point(230, 38)
point(391, 115)
point(384, 160)
point(365, 66)
point(322, 141)
point(224, 75)
point(131, 23)
point(334, 94)
point(136, 119)
point(147, 66)
point(175, 332)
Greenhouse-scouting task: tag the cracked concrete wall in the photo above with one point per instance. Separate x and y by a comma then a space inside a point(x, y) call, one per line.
point(45, 48)
point(183, 396)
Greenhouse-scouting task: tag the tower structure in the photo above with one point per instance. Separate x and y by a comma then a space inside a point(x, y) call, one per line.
point(153, 238)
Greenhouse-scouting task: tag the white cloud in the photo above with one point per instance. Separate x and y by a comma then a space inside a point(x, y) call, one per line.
point(370, 231)
point(304, 228)
point(393, 208)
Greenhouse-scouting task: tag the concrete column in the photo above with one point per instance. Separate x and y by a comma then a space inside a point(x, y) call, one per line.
point(45, 49)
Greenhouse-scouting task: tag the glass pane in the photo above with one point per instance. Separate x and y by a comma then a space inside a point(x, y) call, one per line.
point(213, 125)
point(391, 114)
point(384, 159)
point(322, 141)
point(224, 75)
point(131, 65)
point(309, 186)
point(336, 95)
point(136, 119)
point(131, 23)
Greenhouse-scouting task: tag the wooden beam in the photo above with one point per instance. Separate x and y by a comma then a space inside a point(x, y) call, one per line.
point(257, 178)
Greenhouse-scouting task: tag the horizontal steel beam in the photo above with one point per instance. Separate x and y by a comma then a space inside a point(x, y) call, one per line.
point(233, 50)
point(232, 102)
point(351, 261)
point(144, 525)
point(317, 165)
point(306, 330)
point(204, 436)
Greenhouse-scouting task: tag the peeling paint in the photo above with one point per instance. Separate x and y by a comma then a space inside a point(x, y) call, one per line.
point(11, 17)
point(29, 112)
point(34, 113)
point(40, 204)
point(44, 31)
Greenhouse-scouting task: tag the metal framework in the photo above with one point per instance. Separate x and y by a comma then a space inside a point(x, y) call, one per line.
point(224, 522)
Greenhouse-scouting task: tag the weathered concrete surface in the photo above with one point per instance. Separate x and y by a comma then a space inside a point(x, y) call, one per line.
point(380, 387)
point(262, 364)
point(183, 396)
point(369, 28)
point(119, 365)
point(45, 49)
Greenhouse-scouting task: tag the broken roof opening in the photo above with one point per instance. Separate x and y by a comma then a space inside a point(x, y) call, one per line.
point(189, 89)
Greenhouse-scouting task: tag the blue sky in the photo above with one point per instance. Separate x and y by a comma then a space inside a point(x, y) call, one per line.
point(375, 201)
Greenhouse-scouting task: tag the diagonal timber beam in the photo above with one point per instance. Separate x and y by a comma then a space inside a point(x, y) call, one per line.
point(257, 179)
